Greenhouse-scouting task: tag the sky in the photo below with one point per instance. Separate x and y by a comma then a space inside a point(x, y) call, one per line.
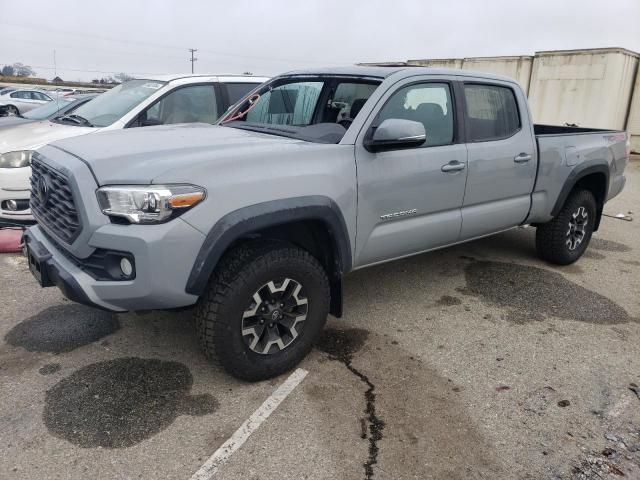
point(139, 37)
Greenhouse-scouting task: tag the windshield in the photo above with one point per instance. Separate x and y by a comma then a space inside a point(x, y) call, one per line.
point(111, 106)
point(48, 109)
point(317, 109)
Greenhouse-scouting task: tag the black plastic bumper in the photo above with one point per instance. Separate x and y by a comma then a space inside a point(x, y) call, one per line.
point(50, 273)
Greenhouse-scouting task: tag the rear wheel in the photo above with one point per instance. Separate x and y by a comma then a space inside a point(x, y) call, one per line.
point(266, 305)
point(564, 239)
point(11, 111)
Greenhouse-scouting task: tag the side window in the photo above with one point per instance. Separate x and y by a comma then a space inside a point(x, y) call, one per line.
point(235, 91)
point(348, 99)
point(39, 96)
point(492, 112)
point(184, 105)
point(20, 95)
point(427, 103)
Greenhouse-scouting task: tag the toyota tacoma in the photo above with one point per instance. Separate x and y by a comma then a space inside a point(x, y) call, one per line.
point(256, 220)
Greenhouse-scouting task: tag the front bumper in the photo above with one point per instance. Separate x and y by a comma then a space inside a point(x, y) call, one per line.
point(14, 185)
point(164, 255)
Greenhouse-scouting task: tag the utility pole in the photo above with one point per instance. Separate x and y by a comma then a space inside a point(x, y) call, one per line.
point(55, 65)
point(192, 59)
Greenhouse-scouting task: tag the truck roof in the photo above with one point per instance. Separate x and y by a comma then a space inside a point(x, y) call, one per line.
point(382, 71)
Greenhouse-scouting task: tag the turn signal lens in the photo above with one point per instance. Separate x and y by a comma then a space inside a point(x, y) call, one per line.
point(186, 200)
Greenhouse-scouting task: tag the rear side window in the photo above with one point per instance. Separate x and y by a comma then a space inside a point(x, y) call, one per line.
point(492, 112)
point(236, 91)
point(427, 103)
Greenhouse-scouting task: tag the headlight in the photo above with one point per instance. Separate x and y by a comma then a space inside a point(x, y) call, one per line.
point(149, 203)
point(17, 159)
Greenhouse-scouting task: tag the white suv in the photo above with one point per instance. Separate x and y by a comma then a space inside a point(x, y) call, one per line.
point(136, 103)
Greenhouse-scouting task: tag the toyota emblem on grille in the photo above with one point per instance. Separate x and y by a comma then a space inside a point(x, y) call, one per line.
point(42, 190)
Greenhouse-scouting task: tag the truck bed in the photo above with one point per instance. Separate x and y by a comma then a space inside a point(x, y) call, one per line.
point(563, 151)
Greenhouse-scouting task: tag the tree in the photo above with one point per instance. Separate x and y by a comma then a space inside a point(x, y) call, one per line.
point(22, 70)
point(8, 71)
point(123, 77)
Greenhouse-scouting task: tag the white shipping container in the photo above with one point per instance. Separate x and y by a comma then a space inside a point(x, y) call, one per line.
point(438, 63)
point(517, 67)
point(590, 88)
point(633, 123)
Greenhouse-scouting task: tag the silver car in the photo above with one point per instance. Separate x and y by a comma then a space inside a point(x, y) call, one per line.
point(21, 101)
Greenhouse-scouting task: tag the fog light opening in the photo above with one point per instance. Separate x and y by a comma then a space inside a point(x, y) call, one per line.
point(126, 267)
point(12, 205)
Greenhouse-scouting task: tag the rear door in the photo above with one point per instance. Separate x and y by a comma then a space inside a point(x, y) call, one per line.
point(407, 203)
point(501, 158)
point(22, 100)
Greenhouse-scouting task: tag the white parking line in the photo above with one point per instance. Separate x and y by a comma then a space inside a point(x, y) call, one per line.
point(210, 467)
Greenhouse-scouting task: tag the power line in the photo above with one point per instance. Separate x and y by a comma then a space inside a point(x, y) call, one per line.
point(193, 59)
point(174, 47)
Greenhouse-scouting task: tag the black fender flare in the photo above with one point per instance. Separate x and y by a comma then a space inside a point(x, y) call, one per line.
point(575, 176)
point(246, 220)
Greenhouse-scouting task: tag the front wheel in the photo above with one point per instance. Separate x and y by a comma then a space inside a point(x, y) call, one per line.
point(564, 239)
point(266, 305)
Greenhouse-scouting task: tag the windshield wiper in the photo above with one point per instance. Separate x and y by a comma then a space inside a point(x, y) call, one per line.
point(80, 119)
point(76, 119)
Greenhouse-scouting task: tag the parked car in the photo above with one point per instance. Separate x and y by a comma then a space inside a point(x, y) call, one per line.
point(314, 174)
point(48, 111)
point(4, 90)
point(137, 103)
point(18, 102)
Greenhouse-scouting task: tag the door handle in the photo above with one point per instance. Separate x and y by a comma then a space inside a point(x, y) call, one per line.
point(522, 158)
point(453, 166)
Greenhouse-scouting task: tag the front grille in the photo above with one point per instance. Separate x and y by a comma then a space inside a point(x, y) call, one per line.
point(52, 202)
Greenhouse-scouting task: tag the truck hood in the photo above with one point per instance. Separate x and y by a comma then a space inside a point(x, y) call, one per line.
point(30, 136)
point(140, 155)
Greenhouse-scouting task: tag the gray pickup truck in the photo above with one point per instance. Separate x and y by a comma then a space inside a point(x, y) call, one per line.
point(256, 220)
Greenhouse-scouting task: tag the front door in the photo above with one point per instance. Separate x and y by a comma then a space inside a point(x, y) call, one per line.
point(409, 200)
point(502, 160)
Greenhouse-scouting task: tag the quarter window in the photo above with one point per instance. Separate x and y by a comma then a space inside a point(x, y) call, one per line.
point(427, 103)
point(492, 112)
point(236, 91)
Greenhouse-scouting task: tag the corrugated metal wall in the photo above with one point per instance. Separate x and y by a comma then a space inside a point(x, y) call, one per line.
point(590, 88)
point(633, 122)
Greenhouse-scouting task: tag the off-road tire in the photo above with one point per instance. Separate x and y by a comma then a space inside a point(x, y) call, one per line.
point(551, 237)
point(240, 273)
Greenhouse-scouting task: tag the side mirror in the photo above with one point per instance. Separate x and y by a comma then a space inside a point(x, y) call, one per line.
point(396, 133)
